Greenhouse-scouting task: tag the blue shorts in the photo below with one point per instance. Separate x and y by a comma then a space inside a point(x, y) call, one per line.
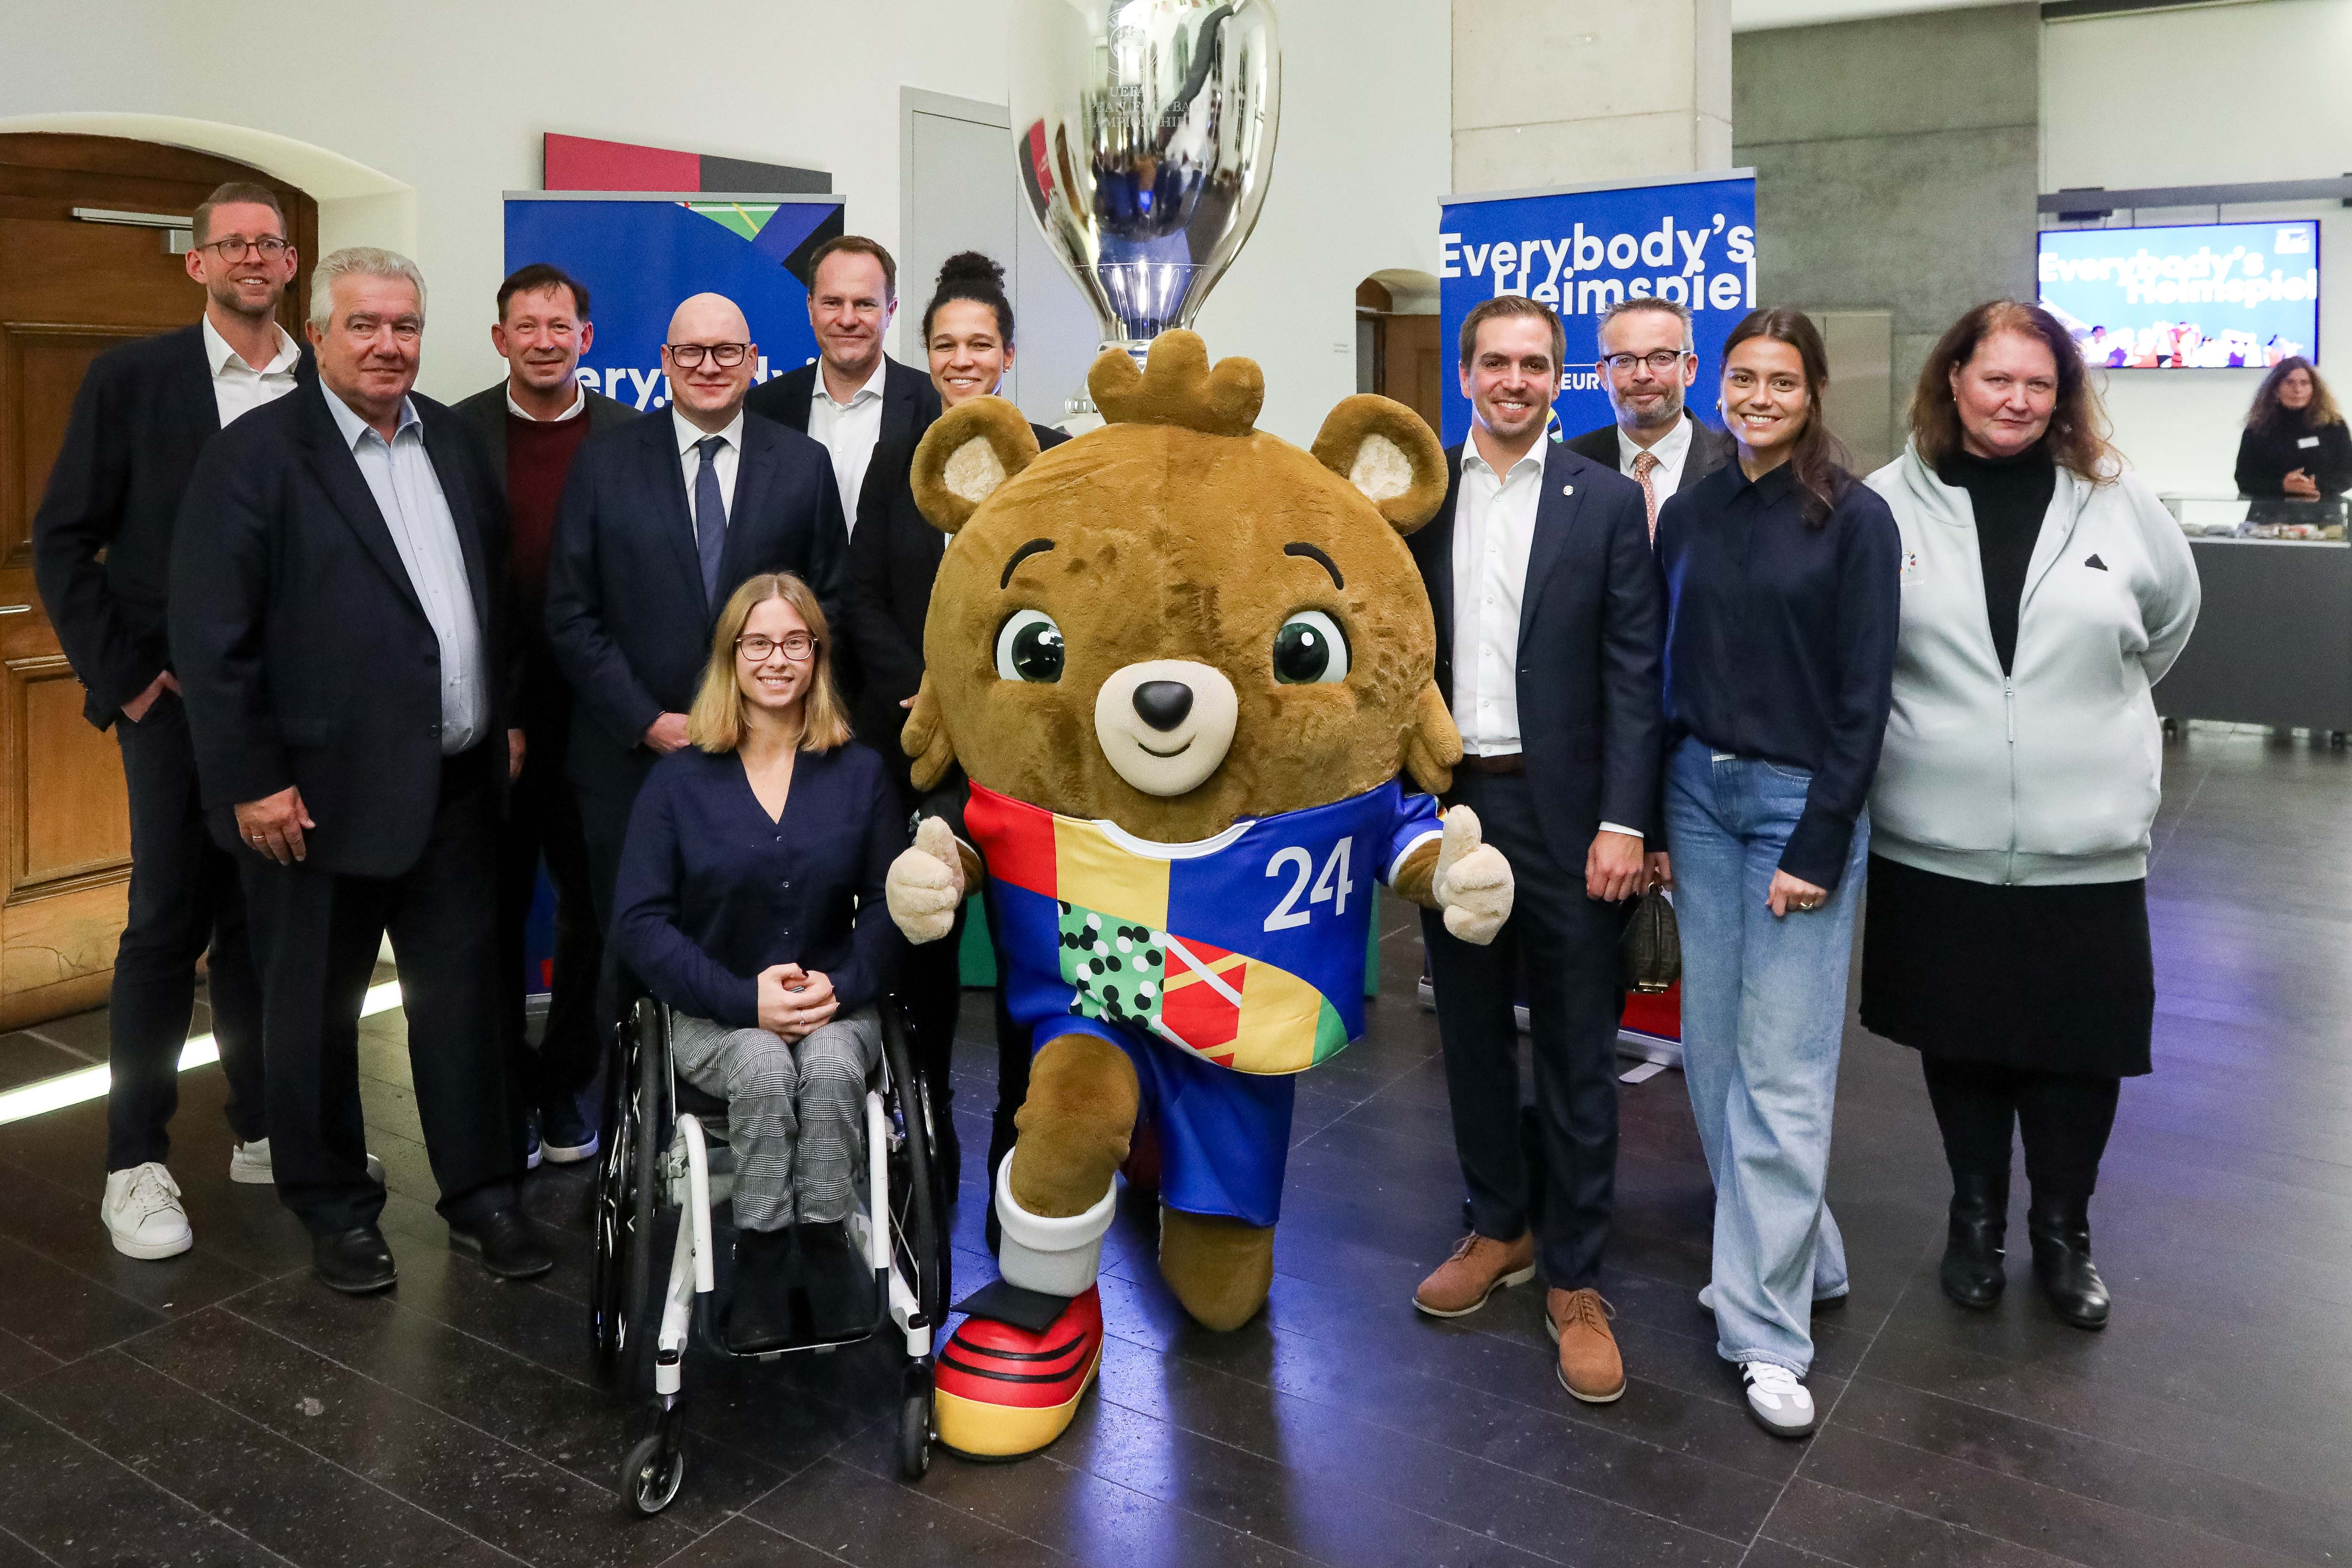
point(1225, 1136)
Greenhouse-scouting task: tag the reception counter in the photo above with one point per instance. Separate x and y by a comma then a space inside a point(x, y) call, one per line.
point(2273, 639)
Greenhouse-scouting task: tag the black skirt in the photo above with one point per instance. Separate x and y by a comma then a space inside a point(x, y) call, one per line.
point(2057, 978)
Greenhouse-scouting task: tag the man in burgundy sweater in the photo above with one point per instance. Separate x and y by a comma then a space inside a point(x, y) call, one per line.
point(530, 425)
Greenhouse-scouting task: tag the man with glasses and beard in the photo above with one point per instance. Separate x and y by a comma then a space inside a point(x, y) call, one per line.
point(661, 520)
point(102, 545)
point(1647, 366)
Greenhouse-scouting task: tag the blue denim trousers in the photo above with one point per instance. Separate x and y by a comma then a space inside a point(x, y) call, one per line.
point(1763, 1015)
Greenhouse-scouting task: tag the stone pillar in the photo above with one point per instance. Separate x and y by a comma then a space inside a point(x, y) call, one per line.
point(1563, 92)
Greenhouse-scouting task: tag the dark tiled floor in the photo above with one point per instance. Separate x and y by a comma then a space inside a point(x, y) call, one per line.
point(223, 1408)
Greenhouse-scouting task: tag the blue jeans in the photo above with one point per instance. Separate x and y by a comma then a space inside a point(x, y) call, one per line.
point(1763, 1015)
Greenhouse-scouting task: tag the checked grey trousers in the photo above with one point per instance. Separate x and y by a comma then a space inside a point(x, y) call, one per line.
point(795, 1114)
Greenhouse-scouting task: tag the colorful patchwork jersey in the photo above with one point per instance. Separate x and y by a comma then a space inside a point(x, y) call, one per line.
point(1246, 950)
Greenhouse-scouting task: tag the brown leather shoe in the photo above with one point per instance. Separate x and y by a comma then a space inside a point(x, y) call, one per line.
point(1480, 1266)
point(1589, 1366)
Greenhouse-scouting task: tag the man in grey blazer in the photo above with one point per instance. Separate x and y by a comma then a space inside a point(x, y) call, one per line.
point(1647, 366)
point(529, 426)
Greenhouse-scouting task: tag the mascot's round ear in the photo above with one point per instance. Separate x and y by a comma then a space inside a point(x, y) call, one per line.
point(1382, 449)
point(967, 453)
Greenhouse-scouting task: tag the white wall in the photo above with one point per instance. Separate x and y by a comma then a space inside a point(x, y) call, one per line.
point(2222, 94)
point(447, 101)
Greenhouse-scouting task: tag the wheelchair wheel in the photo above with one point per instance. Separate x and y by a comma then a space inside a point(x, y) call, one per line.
point(654, 1470)
point(616, 1235)
point(918, 1237)
point(915, 1422)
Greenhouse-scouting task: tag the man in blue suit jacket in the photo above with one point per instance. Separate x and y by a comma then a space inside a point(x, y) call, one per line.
point(1550, 632)
point(661, 520)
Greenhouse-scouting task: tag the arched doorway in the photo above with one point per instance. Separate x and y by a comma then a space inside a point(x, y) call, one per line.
point(89, 259)
point(1397, 352)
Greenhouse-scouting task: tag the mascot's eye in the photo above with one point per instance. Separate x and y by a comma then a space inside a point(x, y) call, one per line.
point(1308, 648)
point(1029, 648)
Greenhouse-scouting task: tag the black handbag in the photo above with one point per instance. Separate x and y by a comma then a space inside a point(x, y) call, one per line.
point(1653, 948)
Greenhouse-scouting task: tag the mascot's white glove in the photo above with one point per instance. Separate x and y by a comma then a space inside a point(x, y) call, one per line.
point(1473, 883)
point(925, 883)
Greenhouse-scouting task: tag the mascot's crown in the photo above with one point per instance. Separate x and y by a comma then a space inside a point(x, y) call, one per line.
point(1178, 386)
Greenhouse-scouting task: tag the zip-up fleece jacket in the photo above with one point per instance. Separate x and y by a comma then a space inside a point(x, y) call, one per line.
point(2049, 774)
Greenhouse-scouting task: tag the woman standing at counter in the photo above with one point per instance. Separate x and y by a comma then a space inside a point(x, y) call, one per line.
point(2295, 446)
point(2044, 591)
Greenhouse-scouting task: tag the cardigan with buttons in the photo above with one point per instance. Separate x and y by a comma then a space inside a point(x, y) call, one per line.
point(711, 890)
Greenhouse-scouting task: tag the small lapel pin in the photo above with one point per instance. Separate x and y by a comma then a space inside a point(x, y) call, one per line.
point(1568, 490)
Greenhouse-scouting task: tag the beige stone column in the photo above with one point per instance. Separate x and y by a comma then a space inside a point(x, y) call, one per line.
point(1562, 92)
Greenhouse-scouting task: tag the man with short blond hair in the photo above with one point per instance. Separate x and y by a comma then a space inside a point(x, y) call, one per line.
point(102, 551)
point(338, 614)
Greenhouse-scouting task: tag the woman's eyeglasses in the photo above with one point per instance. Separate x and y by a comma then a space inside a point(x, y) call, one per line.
point(756, 648)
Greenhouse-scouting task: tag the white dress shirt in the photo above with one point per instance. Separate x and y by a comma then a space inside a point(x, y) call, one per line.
point(578, 407)
point(1494, 530)
point(689, 461)
point(237, 388)
point(1672, 450)
point(399, 474)
point(849, 431)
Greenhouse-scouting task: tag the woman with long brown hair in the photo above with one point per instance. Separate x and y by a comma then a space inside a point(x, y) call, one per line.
point(2297, 445)
point(750, 902)
point(1781, 583)
point(2044, 591)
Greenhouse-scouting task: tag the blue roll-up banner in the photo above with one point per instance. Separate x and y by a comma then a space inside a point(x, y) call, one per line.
point(1692, 239)
point(639, 253)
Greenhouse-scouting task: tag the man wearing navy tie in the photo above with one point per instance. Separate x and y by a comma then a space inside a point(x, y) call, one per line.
point(660, 520)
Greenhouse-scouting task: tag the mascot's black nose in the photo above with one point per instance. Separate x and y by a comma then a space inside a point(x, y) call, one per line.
point(1162, 704)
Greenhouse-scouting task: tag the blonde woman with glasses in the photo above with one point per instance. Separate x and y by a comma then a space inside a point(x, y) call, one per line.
point(750, 902)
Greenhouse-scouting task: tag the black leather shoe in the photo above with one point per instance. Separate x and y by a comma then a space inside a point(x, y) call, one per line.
point(356, 1261)
point(505, 1243)
point(1973, 1273)
point(760, 1296)
point(2060, 1230)
point(840, 1282)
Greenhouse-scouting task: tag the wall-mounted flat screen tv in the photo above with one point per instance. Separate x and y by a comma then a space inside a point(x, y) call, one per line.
point(2209, 296)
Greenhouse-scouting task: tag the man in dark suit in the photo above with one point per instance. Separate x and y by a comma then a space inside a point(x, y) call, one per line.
point(1550, 632)
point(337, 618)
point(661, 520)
point(102, 555)
point(854, 398)
point(1648, 365)
point(531, 426)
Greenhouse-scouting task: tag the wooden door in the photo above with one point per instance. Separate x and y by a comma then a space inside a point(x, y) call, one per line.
point(70, 290)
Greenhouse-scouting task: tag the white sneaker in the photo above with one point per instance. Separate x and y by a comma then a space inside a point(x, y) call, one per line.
point(1777, 1397)
point(1706, 1298)
point(249, 1162)
point(143, 1212)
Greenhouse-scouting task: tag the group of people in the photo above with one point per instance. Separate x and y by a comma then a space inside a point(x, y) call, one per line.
point(372, 662)
point(1722, 663)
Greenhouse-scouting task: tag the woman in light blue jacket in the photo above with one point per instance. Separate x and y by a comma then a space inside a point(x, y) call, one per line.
point(2045, 591)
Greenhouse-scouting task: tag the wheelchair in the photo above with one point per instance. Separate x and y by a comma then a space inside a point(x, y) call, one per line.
point(660, 1155)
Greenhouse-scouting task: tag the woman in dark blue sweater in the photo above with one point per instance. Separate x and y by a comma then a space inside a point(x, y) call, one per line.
point(1782, 623)
point(749, 902)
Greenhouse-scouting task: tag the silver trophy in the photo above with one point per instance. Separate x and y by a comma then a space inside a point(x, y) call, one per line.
point(1144, 131)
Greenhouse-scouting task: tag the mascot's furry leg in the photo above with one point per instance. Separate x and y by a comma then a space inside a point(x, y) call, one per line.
point(1011, 1376)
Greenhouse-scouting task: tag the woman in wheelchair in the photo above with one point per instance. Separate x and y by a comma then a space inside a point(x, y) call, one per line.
point(750, 902)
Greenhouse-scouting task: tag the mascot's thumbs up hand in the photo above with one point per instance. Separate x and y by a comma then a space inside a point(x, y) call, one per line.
point(1473, 880)
point(926, 884)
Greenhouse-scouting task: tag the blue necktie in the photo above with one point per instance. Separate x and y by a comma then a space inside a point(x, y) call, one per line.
point(709, 516)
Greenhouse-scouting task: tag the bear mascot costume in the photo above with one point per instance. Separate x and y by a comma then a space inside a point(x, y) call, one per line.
point(1186, 669)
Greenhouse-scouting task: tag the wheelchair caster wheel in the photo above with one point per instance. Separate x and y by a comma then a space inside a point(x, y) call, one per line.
point(653, 1472)
point(915, 1436)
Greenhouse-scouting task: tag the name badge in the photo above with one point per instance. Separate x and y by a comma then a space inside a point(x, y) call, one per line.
point(2308, 441)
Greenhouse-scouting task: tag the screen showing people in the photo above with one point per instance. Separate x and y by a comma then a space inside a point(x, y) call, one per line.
point(2187, 296)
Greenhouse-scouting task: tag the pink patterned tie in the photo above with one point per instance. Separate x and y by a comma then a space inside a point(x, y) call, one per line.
point(1644, 464)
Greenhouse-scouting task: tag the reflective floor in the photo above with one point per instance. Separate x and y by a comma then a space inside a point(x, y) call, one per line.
point(225, 1408)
